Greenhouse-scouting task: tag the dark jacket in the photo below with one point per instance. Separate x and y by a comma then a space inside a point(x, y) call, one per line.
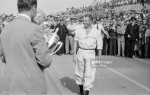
point(112, 33)
point(62, 31)
point(132, 31)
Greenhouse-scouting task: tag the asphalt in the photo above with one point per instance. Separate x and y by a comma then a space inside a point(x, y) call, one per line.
point(125, 76)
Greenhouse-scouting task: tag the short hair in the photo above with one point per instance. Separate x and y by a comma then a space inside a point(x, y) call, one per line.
point(89, 16)
point(26, 5)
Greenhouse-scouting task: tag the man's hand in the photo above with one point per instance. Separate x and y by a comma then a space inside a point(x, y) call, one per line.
point(129, 36)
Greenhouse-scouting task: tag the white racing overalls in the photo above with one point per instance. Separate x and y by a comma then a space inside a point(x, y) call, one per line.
point(84, 73)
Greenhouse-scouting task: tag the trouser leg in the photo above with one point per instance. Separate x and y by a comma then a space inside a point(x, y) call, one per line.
point(71, 44)
point(89, 75)
point(128, 48)
point(115, 46)
point(84, 73)
point(104, 47)
point(123, 46)
point(147, 47)
point(62, 50)
point(119, 46)
point(79, 69)
point(67, 44)
point(111, 47)
point(132, 44)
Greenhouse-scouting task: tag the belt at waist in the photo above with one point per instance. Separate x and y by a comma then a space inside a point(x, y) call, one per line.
point(85, 49)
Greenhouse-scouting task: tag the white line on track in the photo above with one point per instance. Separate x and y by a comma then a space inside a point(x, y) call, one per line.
point(129, 79)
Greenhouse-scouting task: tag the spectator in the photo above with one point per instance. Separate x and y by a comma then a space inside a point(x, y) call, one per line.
point(121, 40)
point(142, 31)
point(132, 34)
point(147, 40)
point(113, 37)
point(69, 36)
point(62, 35)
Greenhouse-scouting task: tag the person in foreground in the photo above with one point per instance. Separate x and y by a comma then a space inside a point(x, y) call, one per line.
point(86, 40)
point(25, 52)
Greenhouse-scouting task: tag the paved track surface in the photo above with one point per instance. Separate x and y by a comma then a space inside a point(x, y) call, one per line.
point(125, 76)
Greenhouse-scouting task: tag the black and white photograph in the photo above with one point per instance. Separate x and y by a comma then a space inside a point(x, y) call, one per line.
point(74, 47)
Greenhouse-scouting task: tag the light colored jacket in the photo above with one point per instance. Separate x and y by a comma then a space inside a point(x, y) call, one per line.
point(26, 55)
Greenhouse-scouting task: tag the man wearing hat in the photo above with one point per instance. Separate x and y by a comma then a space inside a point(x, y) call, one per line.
point(132, 34)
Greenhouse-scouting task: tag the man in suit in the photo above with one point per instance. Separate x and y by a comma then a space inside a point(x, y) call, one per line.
point(25, 52)
point(132, 35)
point(62, 35)
point(113, 36)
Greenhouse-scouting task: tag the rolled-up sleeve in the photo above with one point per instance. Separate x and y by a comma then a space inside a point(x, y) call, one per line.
point(40, 48)
point(99, 41)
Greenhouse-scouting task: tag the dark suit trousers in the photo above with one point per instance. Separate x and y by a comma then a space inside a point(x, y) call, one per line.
point(147, 47)
point(105, 46)
point(113, 46)
point(62, 49)
point(130, 44)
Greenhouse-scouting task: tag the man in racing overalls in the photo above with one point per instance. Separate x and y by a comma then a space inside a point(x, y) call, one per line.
point(86, 40)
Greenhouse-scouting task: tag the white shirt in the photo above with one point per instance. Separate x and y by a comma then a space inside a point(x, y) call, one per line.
point(90, 41)
point(99, 27)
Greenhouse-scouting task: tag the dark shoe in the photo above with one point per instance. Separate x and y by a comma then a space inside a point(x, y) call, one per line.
point(81, 90)
point(86, 92)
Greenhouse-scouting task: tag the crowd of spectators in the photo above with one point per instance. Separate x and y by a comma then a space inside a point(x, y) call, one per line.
point(113, 23)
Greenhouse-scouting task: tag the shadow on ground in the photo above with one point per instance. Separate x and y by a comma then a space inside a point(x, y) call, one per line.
point(70, 84)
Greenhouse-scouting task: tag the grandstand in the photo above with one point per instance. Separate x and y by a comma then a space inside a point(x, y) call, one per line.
point(136, 7)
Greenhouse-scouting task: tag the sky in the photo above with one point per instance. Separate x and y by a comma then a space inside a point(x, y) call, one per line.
point(48, 6)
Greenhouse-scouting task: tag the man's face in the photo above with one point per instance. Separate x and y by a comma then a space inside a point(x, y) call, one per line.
point(87, 22)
